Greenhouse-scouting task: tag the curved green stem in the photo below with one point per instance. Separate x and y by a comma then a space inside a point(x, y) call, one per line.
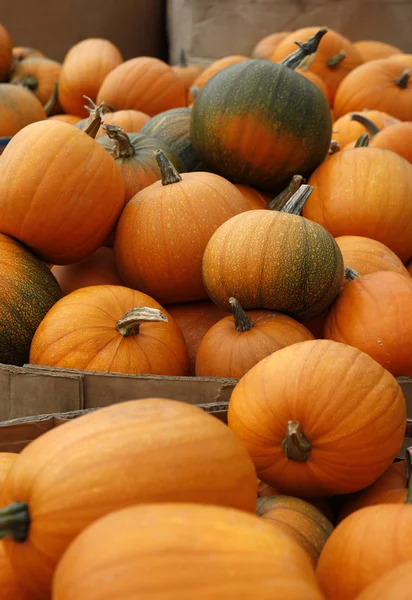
point(15, 522)
point(369, 125)
point(403, 79)
point(242, 321)
point(280, 200)
point(350, 274)
point(362, 141)
point(295, 445)
point(30, 82)
point(304, 49)
point(295, 205)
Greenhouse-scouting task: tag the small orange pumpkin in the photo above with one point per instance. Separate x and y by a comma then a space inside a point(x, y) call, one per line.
point(266, 46)
point(373, 50)
point(346, 130)
point(18, 108)
point(365, 255)
point(187, 72)
point(39, 76)
point(397, 138)
point(71, 119)
point(22, 52)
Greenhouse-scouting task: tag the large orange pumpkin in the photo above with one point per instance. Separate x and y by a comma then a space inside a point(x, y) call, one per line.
point(373, 313)
point(144, 83)
point(169, 223)
point(395, 583)
point(18, 108)
point(379, 84)
point(152, 450)
point(346, 130)
point(372, 49)
point(84, 69)
point(110, 328)
point(346, 200)
point(237, 342)
point(6, 46)
point(365, 255)
point(61, 192)
point(39, 76)
point(319, 418)
point(181, 552)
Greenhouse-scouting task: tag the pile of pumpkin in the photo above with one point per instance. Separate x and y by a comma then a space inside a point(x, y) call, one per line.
point(219, 222)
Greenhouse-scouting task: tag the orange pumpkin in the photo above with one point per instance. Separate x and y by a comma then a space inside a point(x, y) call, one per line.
point(299, 519)
point(379, 84)
point(266, 46)
point(130, 120)
point(22, 52)
point(185, 71)
point(215, 67)
point(365, 255)
point(18, 108)
point(39, 76)
point(42, 166)
point(335, 57)
point(404, 59)
point(194, 320)
point(373, 50)
point(227, 555)
point(395, 583)
point(237, 342)
point(346, 200)
point(6, 460)
point(97, 269)
point(256, 199)
point(71, 119)
point(110, 328)
point(84, 69)
point(145, 84)
point(373, 313)
point(397, 138)
point(10, 585)
point(86, 468)
point(170, 223)
point(285, 409)
point(6, 46)
point(322, 504)
point(346, 130)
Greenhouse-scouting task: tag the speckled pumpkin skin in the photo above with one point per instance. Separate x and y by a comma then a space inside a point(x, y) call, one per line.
point(260, 123)
point(273, 260)
point(28, 290)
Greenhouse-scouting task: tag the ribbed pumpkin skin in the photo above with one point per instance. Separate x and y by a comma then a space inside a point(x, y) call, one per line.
point(144, 83)
point(260, 123)
point(173, 128)
point(141, 451)
point(182, 552)
point(397, 138)
point(18, 107)
point(365, 255)
point(249, 257)
point(62, 218)
point(395, 583)
point(85, 67)
point(348, 200)
point(345, 130)
point(44, 70)
point(28, 291)
point(300, 383)
point(299, 519)
point(11, 587)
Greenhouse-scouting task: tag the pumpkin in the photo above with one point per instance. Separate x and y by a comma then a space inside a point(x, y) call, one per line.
point(144, 83)
point(130, 120)
point(346, 200)
point(18, 108)
point(71, 119)
point(381, 84)
point(10, 585)
point(169, 223)
point(6, 46)
point(364, 546)
point(39, 76)
point(112, 329)
point(97, 269)
point(41, 168)
point(87, 468)
point(249, 258)
point(28, 291)
point(256, 199)
point(185, 71)
point(235, 344)
point(225, 554)
point(373, 50)
point(346, 129)
point(194, 319)
point(319, 418)
point(243, 129)
point(335, 57)
point(405, 59)
point(265, 47)
point(365, 255)
point(173, 128)
point(22, 52)
point(84, 69)
point(321, 504)
point(299, 519)
point(135, 155)
point(215, 67)
point(395, 583)
point(373, 313)
point(6, 460)
point(397, 138)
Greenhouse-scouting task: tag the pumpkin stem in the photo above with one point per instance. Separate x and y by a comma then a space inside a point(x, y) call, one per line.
point(403, 79)
point(334, 147)
point(350, 274)
point(168, 171)
point(295, 445)
point(242, 321)
point(362, 141)
point(280, 200)
point(194, 92)
point(15, 522)
point(182, 58)
point(29, 82)
point(369, 125)
point(304, 49)
point(52, 101)
point(408, 456)
point(96, 114)
point(122, 146)
point(130, 323)
point(295, 205)
point(334, 61)
point(307, 62)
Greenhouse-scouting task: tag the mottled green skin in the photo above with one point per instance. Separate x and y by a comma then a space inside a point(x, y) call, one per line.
point(292, 110)
point(28, 290)
point(173, 128)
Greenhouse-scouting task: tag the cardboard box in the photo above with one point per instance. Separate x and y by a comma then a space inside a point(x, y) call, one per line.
point(34, 399)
